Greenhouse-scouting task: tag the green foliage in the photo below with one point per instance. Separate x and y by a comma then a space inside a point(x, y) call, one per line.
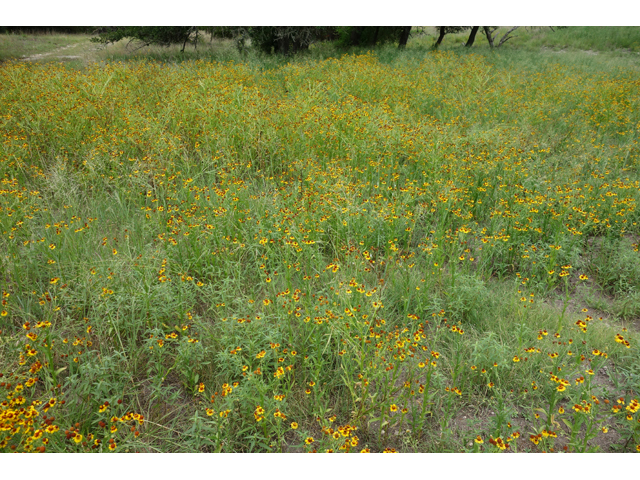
point(220, 32)
point(615, 266)
point(285, 40)
point(367, 36)
point(147, 35)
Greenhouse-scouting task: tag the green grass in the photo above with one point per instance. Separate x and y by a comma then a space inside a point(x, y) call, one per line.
point(618, 40)
point(600, 39)
point(43, 47)
point(216, 251)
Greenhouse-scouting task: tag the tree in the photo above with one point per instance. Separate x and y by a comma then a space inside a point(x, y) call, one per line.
point(147, 35)
point(283, 40)
point(491, 38)
point(472, 37)
point(371, 36)
point(444, 30)
point(404, 37)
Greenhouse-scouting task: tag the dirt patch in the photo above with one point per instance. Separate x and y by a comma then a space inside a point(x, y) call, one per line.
point(59, 54)
point(40, 56)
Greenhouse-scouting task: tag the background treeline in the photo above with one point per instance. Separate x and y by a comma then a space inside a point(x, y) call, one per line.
point(279, 40)
point(40, 29)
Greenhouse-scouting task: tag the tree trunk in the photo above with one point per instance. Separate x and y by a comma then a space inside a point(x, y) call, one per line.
point(375, 36)
point(282, 46)
point(488, 33)
point(404, 37)
point(443, 32)
point(355, 36)
point(472, 37)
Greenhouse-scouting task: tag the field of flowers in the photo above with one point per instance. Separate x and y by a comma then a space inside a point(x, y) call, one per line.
point(436, 252)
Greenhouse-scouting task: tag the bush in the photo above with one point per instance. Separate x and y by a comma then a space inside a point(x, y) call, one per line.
point(286, 40)
point(148, 35)
point(367, 36)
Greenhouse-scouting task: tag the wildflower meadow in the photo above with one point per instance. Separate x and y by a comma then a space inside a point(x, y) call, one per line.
point(372, 251)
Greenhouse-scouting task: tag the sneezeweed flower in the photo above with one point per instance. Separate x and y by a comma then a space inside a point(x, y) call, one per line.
point(201, 388)
point(479, 440)
point(210, 412)
point(294, 425)
point(393, 407)
point(258, 413)
point(308, 440)
point(500, 443)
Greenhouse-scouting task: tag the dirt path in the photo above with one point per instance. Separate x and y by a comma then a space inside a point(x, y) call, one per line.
point(79, 51)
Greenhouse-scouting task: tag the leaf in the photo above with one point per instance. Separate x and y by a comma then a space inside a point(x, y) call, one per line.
point(60, 370)
point(567, 423)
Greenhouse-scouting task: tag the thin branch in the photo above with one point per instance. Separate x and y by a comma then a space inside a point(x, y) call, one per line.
point(506, 36)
